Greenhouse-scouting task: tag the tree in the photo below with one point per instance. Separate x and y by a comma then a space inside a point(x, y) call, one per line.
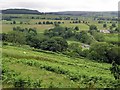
point(93, 27)
point(79, 21)
point(76, 28)
point(62, 42)
point(16, 37)
point(51, 22)
point(75, 50)
point(113, 25)
point(98, 51)
point(59, 22)
point(32, 31)
point(60, 31)
point(4, 36)
point(104, 25)
point(98, 36)
point(14, 22)
point(113, 54)
point(76, 21)
point(39, 23)
point(44, 22)
point(100, 21)
point(117, 30)
point(50, 45)
point(21, 22)
point(34, 41)
point(54, 44)
point(84, 37)
point(47, 22)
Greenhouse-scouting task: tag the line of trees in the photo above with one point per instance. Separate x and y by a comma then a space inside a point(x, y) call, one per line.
point(49, 22)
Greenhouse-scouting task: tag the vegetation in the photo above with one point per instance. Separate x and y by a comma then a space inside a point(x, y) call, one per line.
point(60, 51)
point(115, 70)
point(68, 71)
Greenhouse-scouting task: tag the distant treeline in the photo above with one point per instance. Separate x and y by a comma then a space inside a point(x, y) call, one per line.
point(86, 13)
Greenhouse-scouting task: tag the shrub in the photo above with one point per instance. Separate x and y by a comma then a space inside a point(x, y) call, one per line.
point(16, 37)
point(98, 51)
point(4, 43)
point(77, 28)
point(84, 37)
point(93, 27)
point(115, 70)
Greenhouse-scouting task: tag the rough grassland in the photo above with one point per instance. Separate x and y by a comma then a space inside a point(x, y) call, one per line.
point(55, 69)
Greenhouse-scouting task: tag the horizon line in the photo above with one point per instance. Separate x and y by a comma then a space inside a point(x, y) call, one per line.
point(63, 10)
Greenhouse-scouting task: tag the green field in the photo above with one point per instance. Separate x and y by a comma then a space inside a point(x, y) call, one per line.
point(111, 37)
point(55, 68)
point(81, 26)
point(40, 28)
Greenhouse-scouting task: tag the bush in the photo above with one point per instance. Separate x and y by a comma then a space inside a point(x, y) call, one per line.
point(4, 43)
point(115, 70)
point(98, 51)
point(54, 44)
point(77, 28)
point(74, 50)
point(16, 37)
point(84, 37)
point(60, 31)
point(114, 54)
point(19, 82)
point(50, 45)
point(14, 22)
point(93, 27)
point(3, 37)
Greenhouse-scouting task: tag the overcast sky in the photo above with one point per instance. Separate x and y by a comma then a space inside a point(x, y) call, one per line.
point(62, 5)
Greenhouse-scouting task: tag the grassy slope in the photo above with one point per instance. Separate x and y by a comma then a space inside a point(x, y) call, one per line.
point(71, 68)
point(111, 37)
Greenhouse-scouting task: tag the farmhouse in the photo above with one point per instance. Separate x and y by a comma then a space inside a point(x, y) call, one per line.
point(104, 31)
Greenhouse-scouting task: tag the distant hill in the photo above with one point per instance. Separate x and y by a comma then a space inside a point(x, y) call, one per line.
point(86, 13)
point(20, 11)
point(74, 13)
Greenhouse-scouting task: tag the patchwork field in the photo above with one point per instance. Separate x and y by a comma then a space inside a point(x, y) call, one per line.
point(70, 52)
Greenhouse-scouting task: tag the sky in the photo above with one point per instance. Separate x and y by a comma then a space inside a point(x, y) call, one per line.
point(61, 5)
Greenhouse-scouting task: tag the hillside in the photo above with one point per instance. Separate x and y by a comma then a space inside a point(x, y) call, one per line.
point(60, 71)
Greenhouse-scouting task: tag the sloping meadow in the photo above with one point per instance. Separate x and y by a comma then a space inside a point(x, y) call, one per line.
point(52, 70)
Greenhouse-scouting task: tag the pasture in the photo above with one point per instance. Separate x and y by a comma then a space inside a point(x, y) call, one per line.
point(56, 69)
point(40, 28)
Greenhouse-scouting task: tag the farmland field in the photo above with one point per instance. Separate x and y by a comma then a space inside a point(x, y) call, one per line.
point(40, 28)
point(60, 51)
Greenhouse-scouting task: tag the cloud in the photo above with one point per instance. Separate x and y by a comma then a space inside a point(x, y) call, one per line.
point(62, 5)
